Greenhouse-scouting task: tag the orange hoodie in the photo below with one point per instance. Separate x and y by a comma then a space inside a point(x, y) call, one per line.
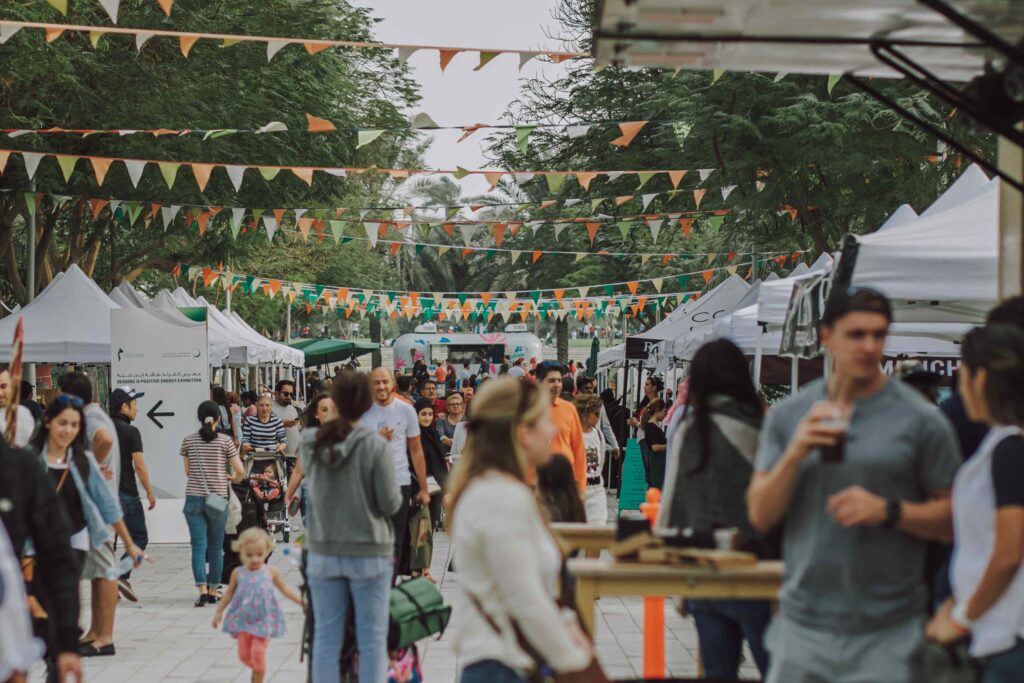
point(569, 439)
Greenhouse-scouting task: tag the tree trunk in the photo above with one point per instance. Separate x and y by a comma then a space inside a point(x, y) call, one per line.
point(562, 340)
point(375, 359)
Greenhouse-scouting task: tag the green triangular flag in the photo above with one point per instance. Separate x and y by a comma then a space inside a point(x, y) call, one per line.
point(452, 210)
point(609, 290)
point(269, 173)
point(555, 181)
point(391, 296)
point(715, 222)
point(30, 203)
point(134, 210)
point(522, 134)
point(624, 228)
point(365, 137)
point(337, 228)
point(683, 279)
point(249, 279)
point(716, 74)
point(643, 177)
point(460, 173)
point(67, 166)
point(462, 298)
point(169, 172)
point(594, 203)
point(832, 80)
point(489, 254)
point(535, 295)
point(486, 57)
point(345, 240)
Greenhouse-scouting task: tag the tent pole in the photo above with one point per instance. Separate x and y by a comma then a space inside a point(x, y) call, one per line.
point(30, 285)
point(1010, 159)
point(288, 322)
point(794, 374)
point(757, 357)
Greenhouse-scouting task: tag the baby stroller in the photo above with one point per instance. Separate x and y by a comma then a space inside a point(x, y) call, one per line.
point(267, 475)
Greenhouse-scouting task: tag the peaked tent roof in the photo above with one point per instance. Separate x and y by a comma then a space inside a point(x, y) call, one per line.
point(69, 322)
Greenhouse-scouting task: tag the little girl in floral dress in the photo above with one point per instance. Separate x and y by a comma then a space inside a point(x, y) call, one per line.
point(254, 615)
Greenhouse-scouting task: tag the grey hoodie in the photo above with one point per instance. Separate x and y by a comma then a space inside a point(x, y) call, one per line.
point(352, 495)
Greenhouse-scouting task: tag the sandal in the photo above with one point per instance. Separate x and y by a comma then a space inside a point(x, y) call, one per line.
point(91, 650)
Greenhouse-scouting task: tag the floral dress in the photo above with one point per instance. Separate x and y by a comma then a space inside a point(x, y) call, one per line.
point(254, 607)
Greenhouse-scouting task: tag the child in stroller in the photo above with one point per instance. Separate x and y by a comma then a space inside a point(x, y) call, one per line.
point(268, 481)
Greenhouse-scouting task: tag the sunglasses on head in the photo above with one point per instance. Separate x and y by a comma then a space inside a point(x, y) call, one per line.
point(65, 399)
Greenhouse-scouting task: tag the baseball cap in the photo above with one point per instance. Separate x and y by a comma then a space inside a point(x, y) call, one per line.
point(124, 395)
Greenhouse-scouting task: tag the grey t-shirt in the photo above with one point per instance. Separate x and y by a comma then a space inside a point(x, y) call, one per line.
point(899, 446)
point(95, 419)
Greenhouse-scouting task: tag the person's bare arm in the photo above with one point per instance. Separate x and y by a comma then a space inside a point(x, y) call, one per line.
point(237, 469)
point(143, 472)
point(226, 600)
point(285, 589)
point(419, 464)
point(293, 482)
point(1007, 554)
point(102, 442)
point(770, 493)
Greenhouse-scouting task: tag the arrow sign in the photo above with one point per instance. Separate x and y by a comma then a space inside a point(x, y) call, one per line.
point(153, 415)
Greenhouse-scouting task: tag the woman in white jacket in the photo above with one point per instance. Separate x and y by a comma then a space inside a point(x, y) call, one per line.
point(508, 562)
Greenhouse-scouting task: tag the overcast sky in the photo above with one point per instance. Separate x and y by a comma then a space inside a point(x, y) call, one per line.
point(461, 96)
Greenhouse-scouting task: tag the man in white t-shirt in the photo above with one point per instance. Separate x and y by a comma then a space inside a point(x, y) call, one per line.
point(396, 422)
point(25, 423)
point(283, 408)
point(517, 369)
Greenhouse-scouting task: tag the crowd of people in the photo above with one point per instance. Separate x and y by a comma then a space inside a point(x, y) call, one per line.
point(856, 481)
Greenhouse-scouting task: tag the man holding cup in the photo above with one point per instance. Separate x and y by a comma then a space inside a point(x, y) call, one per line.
point(858, 470)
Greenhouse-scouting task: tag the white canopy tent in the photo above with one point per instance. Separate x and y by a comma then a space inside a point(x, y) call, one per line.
point(69, 322)
point(293, 357)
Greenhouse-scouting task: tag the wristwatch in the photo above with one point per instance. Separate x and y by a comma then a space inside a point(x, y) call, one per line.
point(893, 513)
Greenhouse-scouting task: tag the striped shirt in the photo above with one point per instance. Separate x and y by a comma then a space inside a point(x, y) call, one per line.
point(263, 435)
point(207, 464)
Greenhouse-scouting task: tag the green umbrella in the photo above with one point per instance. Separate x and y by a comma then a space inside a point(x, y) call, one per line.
point(595, 348)
point(330, 350)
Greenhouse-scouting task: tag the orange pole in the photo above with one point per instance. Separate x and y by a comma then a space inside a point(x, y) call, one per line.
point(654, 608)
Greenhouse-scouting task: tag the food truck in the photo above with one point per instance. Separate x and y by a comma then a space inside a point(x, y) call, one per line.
point(464, 349)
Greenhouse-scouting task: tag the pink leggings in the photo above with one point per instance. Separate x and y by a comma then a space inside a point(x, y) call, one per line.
point(252, 650)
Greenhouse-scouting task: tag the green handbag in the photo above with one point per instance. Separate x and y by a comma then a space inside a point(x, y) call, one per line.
point(417, 611)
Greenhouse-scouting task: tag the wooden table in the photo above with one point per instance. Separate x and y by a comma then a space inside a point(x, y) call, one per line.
point(595, 578)
point(590, 539)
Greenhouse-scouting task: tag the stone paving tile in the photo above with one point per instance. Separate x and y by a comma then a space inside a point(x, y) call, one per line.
point(164, 638)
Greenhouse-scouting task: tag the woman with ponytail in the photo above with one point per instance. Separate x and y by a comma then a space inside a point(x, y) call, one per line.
point(509, 563)
point(207, 455)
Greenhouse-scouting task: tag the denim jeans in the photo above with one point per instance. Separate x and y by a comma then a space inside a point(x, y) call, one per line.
point(1004, 667)
point(135, 520)
point(206, 530)
point(490, 671)
point(331, 580)
point(722, 625)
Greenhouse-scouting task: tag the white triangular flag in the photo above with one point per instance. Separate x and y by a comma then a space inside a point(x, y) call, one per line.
point(726, 191)
point(299, 212)
point(336, 172)
point(140, 39)
point(272, 127)
point(571, 202)
point(372, 230)
point(362, 213)
point(647, 199)
point(657, 282)
point(524, 58)
point(19, 133)
point(515, 255)
point(759, 185)
point(6, 31)
point(523, 177)
point(236, 217)
point(614, 175)
point(577, 131)
point(405, 52)
point(644, 258)
point(31, 162)
point(655, 226)
point(273, 47)
point(583, 291)
point(270, 223)
point(559, 227)
point(705, 173)
point(422, 120)
point(114, 203)
point(467, 230)
point(580, 255)
point(167, 213)
point(111, 7)
point(61, 200)
point(236, 173)
point(135, 169)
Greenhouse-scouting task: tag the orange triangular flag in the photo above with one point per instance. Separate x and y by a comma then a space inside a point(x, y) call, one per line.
point(631, 286)
point(485, 297)
point(686, 224)
point(202, 173)
point(619, 201)
point(303, 174)
point(584, 179)
point(319, 125)
point(4, 156)
point(730, 257)
point(469, 130)
point(449, 228)
point(666, 258)
point(493, 177)
point(203, 218)
point(314, 47)
point(592, 230)
point(100, 168)
point(559, 293)
point(466, 252)
point(536, 256)
point(53, 34)
point(186, 43)
point(395, 246)
point(97, 206)
point(548, 203)
point(166, 6)
point(676, 177)
point(153, 210)
point(629, 131)
point(208, 276)
point(278, 216)
point(382, 230)
point(304, 225)
point(641, 302)
point(499, 233)
point(698, 195)
point(707, 274)
point(446, 57)
point(513, 228)
point(275, 286)
point(791, 211)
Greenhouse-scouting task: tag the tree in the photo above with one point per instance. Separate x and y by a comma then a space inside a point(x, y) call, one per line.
point(70, 84)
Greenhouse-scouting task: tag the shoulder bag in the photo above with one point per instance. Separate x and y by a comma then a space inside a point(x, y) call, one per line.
point(215, 502)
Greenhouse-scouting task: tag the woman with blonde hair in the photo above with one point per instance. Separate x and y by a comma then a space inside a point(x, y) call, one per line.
point(509, 563)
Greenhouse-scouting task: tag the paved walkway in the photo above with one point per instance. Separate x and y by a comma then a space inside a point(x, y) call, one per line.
point(165, 638)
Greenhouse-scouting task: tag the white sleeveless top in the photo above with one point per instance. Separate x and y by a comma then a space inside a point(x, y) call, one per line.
point(974, 511)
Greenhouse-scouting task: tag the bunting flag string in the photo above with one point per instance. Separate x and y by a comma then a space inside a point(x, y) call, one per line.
point(187, 39)
point(203, 170)
point(111, 7)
